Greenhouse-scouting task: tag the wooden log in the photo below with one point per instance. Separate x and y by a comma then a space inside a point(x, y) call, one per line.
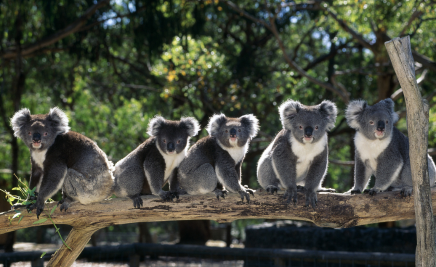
point(76, 240)
point(401, 57)
point(333, 210)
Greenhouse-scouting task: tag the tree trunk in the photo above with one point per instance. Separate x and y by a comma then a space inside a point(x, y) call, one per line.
point(417, 126)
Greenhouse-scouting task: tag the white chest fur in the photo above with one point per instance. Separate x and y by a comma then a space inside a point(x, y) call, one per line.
point(236, 152)
point(369, 150)
point(38, 157)
point(172, 161)
point(306, 153)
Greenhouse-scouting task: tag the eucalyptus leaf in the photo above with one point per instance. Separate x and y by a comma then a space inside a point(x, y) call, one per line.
point(40, 220)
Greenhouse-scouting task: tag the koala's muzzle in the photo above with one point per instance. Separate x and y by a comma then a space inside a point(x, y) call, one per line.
point(233, 133)
point(36, 138)
point(381, 126)
point(171, 147)
point(308, 131)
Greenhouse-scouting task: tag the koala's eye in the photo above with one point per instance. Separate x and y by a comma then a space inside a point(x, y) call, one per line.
point(316, 127)
point(178, 141)
point(371, 122)
point(164, 141)
point(301, 127)
point(30, 133)
point(239, 130)
point(45, 134)
point(227, 131)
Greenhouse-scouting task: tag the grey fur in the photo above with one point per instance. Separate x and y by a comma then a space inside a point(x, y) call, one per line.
point(216, 158)
point(151, 164)
point(385, 156)
point(62, 159)
point(290, 160)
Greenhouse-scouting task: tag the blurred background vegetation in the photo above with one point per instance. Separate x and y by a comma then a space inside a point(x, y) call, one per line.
point(112, 65)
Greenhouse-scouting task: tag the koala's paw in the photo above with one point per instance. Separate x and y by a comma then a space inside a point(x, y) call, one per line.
point(137, 201)
point(64, 206)
point(220, 193)
point(301, 188)
point(374, 191)
point(406, 191)
point(250, 191)
point(246, 194)
point(175, 195)
point(311, 199)
point(327, 190)
point(167, 196)
point(38, 206)
point(291, 195)
point(271, 189)
point(355, 191)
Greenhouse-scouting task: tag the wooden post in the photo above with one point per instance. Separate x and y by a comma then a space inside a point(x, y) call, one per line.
point(76, 240)
point(417, 126)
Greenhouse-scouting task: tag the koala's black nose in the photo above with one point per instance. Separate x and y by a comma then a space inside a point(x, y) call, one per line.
point(381, 126)
point(308, 131)
point(37, 137)
point(233, 132)
point(170, 147)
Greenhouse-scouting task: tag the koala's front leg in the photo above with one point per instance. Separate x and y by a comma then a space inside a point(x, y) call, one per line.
point(286, 172)
point(228, 176)
point(315, 175)
point(385, 175)
point(50, 184)
point(155, 172)
point(361, 176)
point(174, 184)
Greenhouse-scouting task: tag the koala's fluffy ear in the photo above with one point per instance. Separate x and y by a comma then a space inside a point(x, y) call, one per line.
point(155, 125)
point(288, 111)
point(389, 104)
point(251, 123)
point(191, 124)
point(329, 111)
point(353, 112)
point(59, 120)
point(19, 119)
point(215, 123)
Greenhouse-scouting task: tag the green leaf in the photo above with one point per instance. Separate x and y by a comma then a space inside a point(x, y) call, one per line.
point(16, 215)
point(20, 219)
point(17, 211)
point(16, 188)
point(53, 209)
point(42, 255)
point(40, 221)
point(26, 203)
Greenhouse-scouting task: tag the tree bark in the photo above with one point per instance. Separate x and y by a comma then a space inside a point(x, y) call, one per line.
point(76, 240)
point(417, 126)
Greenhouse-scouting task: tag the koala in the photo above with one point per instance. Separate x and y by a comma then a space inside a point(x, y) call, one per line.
point(155, 161)
point(381, 149)
point(298, 156)
point(218, 157)
point(62, 159)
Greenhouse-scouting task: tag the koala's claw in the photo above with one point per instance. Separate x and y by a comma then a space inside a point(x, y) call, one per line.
point(137, 201)
point(291, 195)
point(246, 194)
point(366, 191)
point(406, 192)
point(167, 196)
point(271, 189)
point(250, 191)
point(373, 192)
point(39, 208)
point(221, 193)
point(311, 199)
point(355, 191)
point(174, 195)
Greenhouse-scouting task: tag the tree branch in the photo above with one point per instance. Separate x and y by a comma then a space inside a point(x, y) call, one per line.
point(425, 61)
point(414, 16)
point(344, 26)
point(70, 29)
point(333, 210)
